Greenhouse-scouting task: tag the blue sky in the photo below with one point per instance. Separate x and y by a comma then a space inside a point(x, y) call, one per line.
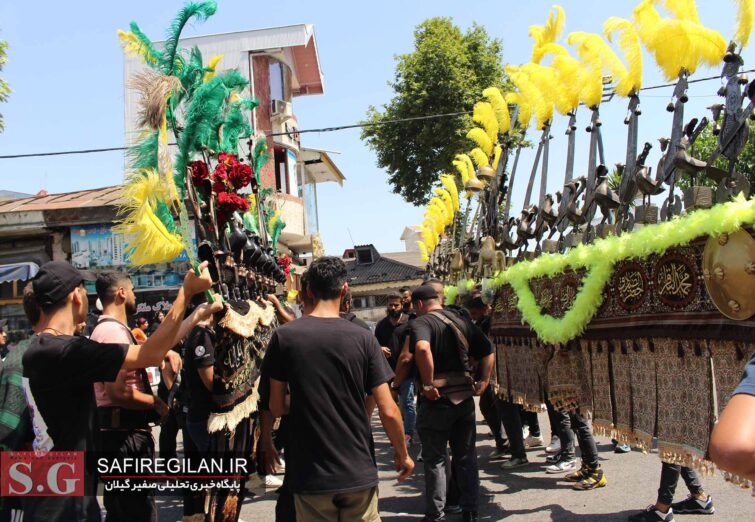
point(66, 70)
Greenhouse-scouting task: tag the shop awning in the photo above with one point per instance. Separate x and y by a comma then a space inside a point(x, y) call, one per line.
point(319, 167)
point(18, 271)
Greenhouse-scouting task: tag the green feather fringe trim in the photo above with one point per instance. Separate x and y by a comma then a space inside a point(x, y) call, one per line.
point(600, 257)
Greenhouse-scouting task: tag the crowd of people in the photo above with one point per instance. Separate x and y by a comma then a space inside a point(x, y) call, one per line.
point(324, 374)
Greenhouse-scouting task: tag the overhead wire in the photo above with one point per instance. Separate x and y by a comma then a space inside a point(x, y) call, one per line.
point(609, 96)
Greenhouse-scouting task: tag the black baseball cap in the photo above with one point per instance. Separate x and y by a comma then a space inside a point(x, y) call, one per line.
point(424, 293)
point(56, 279)
point(3, 323)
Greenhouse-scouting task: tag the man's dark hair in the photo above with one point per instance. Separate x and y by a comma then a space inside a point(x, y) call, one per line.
point(392, 296)
point(108, 283)
point(31, 307)
point(475, 302)
point(432, 281)
point(404, 289)
point(345, 300)
point(327, 276)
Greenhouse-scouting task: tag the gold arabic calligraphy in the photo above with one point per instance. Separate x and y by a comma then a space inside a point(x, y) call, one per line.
point(630, 286)
point(674, 280)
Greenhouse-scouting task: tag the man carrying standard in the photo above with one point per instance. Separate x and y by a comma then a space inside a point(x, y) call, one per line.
point(443, 343)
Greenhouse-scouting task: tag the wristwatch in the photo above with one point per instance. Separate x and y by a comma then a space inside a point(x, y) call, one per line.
point(428, 387)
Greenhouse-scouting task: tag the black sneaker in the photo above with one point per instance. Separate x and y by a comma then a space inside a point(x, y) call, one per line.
point(452, 509)
point(693, 506)
point(470, 516)
point(652, 515)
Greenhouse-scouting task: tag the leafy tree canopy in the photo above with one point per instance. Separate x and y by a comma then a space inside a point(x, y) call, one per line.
point(446, 73)
point(4, 88)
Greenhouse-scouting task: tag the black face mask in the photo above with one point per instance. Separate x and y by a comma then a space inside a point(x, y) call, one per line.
point(394, 314)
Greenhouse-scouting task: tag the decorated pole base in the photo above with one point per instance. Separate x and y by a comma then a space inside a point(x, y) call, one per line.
point(605, 229)
point(549, 246)
point(646, 214)
point(698, 197)
point(573, 239)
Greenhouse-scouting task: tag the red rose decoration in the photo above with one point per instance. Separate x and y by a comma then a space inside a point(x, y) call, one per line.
point(227, 158)
point(285, 263)
point(199, 171)
point(231, 202)
point(240, 175)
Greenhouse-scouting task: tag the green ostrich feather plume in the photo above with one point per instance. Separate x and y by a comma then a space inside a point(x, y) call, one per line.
point(152, 56)
point(236, 124)
point(204, 115)
point(143, 155)
point(260, 156)
point(199, 10)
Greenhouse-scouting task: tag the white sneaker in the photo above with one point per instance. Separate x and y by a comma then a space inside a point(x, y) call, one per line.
point(282, 465)
point(562, 466)
point(554, 446)
point(257, 481)
point(533, 442)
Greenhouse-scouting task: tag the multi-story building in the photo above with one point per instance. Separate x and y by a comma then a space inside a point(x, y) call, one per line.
point(281, 64)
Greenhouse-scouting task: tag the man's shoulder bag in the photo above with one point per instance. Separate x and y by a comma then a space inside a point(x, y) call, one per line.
point(456, 386)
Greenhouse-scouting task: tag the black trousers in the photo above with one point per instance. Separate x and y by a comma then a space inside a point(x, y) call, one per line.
point(129, 506)
point(512, 422)
point(442, 424)
point(530, 419)
point(669, 478)
point(573, 423)
point(169, 429)
point(489, 411)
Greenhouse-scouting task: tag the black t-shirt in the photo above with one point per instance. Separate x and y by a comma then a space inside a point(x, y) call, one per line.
point(330, 365)
point(384, 333)
point(62, 370)
point(199, 353)
point(352, 318)
point(443, 343)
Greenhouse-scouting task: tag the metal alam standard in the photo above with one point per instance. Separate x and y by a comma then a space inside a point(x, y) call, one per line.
point(642, 318)
point(201, 105)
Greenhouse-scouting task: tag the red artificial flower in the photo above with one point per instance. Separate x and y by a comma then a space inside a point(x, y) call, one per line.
point(240, 175)
point(285, 263)
point(199, 171)
point(231, 202)
point(227, 158)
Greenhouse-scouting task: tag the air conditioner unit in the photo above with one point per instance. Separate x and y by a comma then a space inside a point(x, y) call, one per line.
point(280, 108)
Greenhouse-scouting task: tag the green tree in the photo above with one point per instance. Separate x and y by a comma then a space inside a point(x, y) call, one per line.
point(4, 88)
point(446, 73)
point(704, 147)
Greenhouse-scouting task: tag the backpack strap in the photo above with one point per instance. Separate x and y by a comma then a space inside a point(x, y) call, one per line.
point(461, 340)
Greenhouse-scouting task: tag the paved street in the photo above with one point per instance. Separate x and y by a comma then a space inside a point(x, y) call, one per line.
point(527, 494)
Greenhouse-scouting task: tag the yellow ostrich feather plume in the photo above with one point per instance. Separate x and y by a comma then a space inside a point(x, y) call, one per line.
point(569, 76)
point(544, 78)
point(525, 108)
point(442, 209)
point(470, 166)
point(629, 43)
point(683, 10)
point(212, 64)
point(423, 251)
point(461, 167)
point(595, 50)
point(149, 241)
point(479, 157)
point(591, 90)
point(548, 33)
point(677, 43)
point(528, 92)
point(428, 236)
point(133, 46)
point(496, 156)
point(449, 183)
point(484, 114)
point(501, 108)
point(481, 138)
point(745, 17)
point(445, 196)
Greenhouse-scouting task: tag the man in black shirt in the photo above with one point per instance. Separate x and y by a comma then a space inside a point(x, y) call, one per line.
point(347, 314)
point(385, 327)
point(329, 365)
point(199, 360)
point(62, 369)
point(443, 342)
